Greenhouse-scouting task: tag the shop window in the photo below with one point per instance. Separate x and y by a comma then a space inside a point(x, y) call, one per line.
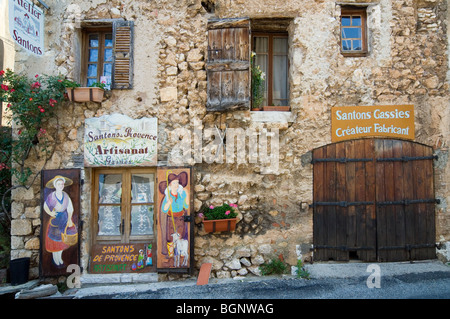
point(108, 55)
point(353, 31)
point(123, 205)
point(271, 51)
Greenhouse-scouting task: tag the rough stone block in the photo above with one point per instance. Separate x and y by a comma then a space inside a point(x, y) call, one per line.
point(168, 94)
point(21, 227)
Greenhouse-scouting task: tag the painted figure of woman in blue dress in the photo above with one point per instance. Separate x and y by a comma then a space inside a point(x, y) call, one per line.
point(59, 206)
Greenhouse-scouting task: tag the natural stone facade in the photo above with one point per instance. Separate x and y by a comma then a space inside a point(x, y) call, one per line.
point(407, 64)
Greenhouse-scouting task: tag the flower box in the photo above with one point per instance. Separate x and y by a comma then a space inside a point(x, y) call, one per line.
point(85, 94)
point(220, 225)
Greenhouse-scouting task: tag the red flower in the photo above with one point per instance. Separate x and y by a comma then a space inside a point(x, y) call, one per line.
point(5, 87)
point(2, 72)
point(36, 85)
point(52, 102)
point(31, 99)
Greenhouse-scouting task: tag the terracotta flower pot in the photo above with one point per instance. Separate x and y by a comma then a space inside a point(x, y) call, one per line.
point(220, 225)
point(85, 94)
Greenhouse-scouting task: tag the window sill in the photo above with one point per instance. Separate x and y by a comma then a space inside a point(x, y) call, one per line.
point(272, 116)
point(355, 54)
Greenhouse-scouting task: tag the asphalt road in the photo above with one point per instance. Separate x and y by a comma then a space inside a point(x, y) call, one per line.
point(431, 285)
point(427, 280)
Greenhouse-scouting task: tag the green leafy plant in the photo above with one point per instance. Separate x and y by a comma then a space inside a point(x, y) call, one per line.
point(226, 211)
point(31, 102)
point(69, 84)
point(301, 271)
point(258, 78)
point(275, 266)
point(99, 85)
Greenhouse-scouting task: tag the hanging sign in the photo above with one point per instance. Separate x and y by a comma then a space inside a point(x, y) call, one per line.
point(352, 122)
point(118, 140)
point(26, 25)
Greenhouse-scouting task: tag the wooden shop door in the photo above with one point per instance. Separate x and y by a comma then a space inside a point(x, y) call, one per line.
point(373, 201)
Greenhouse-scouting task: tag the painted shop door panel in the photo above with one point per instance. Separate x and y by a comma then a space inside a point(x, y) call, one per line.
point(175, 230)
point(60, 220)
point(373, 201)
point(123, 225)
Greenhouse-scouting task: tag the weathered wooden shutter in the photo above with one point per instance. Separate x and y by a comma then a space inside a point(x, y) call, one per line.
point(122, 77)
point(228, 64)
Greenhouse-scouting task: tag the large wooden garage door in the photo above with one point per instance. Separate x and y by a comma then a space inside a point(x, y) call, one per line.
point(373, 201)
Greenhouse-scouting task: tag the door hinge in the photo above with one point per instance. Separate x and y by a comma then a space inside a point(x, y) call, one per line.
point(410, 201)
point(341, 204)
point(406, 158)
point(341, 160)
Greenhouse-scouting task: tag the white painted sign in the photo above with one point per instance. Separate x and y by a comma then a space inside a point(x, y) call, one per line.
point(118, 140)
point(26, 24)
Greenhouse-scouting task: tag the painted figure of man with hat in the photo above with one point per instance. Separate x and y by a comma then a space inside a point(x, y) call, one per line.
point(174, 207)
point(61, 231)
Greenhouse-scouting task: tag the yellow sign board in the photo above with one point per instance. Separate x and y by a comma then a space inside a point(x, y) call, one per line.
point(351, 122)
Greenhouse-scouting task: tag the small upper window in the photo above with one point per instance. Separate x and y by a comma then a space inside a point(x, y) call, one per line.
point(99, 56)
point(107, 54)
point(353, 31)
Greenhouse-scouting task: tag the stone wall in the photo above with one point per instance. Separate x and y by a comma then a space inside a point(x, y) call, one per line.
point(407, 64)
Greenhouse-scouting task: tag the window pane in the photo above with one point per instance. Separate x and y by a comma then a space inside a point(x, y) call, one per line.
point(93, 40)
point(351, 33)
point(357, 45)
point(261, 44)
point(110, 188)
point(142, 220)
point(280, 46)
point(142, 186)
point(92, 70)
point(93, 55)
point(345, 21)
point(90, 82)
point(107, 69)
point(356, 21)
point(109, 220)
point(280, 80)
point(108, 40)
point(108, 55)
point(346, 45)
